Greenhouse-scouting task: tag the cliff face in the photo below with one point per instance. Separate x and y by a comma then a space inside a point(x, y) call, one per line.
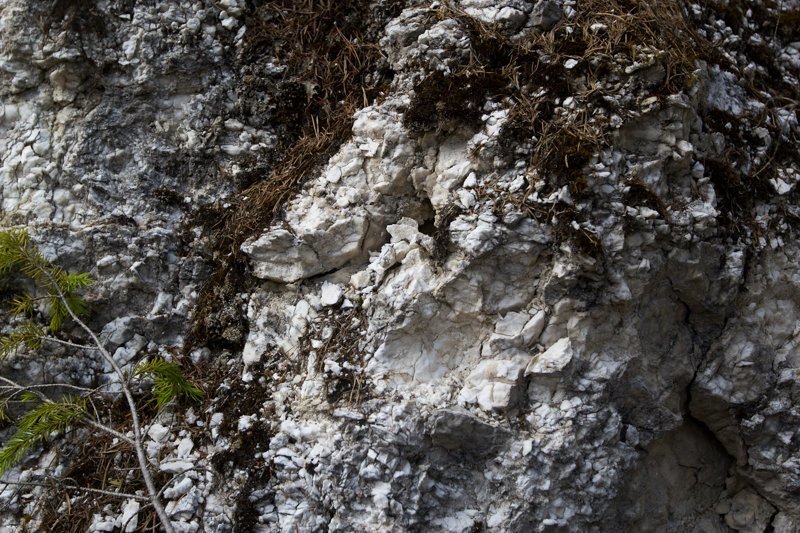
point(503, 265)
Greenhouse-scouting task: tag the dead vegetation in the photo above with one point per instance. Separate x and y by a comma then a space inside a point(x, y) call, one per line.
point(606, 39)
point(97, 463)
point(333, 66)
point(629, 48)
point(340, 354)
point(100, 464)
point(98, 469)
point(618, 52)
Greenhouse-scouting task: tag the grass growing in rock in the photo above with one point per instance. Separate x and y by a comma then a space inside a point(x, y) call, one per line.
point(345, 331)
point(579, 59)
point(563, 84)
point(333, 67)
point(38, 315)
point(95, 463)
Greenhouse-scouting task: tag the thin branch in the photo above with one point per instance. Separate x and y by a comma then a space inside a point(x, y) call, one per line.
point(21, 388)
point(184, 471)
point(66, 486)
point(50, 386)
point(103, 427)
point(91, 422)
point(68, 343)
point(137, 430)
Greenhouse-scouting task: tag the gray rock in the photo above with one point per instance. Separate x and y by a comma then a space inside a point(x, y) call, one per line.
point(749, 512)
point(459, 430)
point(441, 334)
point(546, 14)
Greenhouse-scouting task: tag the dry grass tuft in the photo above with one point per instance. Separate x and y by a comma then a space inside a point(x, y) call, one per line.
point(326, 48)
point(616, 47)
point(342, 333)
point(604, 39)
point(258, 205)
point(334, 67)
point(631, 31)
point(97, 463)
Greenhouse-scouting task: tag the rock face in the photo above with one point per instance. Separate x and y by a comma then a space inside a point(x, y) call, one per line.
point(527, 278)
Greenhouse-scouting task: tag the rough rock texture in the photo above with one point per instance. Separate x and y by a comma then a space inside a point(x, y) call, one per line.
point(547, 281)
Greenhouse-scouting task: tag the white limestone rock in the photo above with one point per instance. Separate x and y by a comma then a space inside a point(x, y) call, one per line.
point(114, 141)
point(546, 14)
point(129, 519)
point(493, 384)
point(749, 512)
point(510, 15)
point(331, 294)
point(553, 360)
point(158, 432)
point(284, 257)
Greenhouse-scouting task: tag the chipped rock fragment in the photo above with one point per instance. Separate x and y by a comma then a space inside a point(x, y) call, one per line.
point(552, 360)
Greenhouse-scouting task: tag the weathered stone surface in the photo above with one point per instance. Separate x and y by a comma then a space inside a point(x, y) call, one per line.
point(494, 384)
point(455, 430)
point(459, 322)
point(285, 257)
point(546, 14)
point(552, 360)
point(676, 486)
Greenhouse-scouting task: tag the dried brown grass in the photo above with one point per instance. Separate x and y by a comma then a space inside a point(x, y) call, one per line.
point(97, 463)
point(606, 35)
point(634, 29)
point(257, 206)
point(331, 47)
point(604, 38)
point(326, 45)
point(344, 344)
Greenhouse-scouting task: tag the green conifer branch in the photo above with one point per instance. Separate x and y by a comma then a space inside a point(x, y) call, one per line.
point(4, 410)
point(61, 287)
point(168, 381)
point(29, 334)
point(23, 305)
point(12, 243)
point(60, 293)
point(37, 425)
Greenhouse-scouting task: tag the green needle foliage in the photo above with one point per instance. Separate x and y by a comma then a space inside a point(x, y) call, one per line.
point(40, 315)
point(29, 334)
point(4, 411)
point(57, 290)
point(168, 381)
point(38, 424)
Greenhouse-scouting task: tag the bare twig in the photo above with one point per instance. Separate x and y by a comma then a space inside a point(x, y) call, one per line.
point(68, 343)
point(67, 486)
point(137, 429)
